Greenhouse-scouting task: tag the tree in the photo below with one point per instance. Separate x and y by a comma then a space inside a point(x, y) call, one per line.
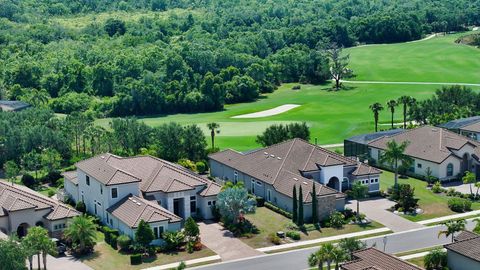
point(50, 160)
point(144, 234)
point(395, 154)
point(406, 101)
point(338, 255)
point(233, 203)
point(376, 108)
point(327, 253)
point(477, 226)
point(12, 255)
point(300, 220)
point(338, 65)
point(11, 170)
point(391, 104)
point(359, 191)
point(406, 198)
point(214, 128)
point(278, 133)
point(452, 227)
point(191, 229)
point(314, 205)
point(428, 176)
point(469, 178)
point(115, 26)
point(82, 232)
point(37, 97)
point(37, 241)
point(435, 259)
point(294, 205)
point(351, 245)
point(32, 162)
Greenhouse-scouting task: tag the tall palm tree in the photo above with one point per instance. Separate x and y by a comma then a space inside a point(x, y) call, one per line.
point(38, 242)
point(406, 101)
point(316, 259)
point(452, 227)
point(436, 259)
point(339, 255)
point(328, 251)
point(391, 104)
point(351, 245)
point(214, 128)
point(376, 108)
point(82, 231)
point(395, 155)
point(358, 192)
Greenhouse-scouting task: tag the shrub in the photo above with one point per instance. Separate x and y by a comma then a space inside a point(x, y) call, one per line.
point(278, 210)
point(152, 251)
point(53, 177)
point(459, 204)
point(173, 240)
point(187, 164)
point(124, 242)
point(80, 206)
point(113, 241)
point(201, 167)
point(191, 229)
point(260, 201)
point(109, 235)
point(437, 188)
point(293, 235)
point(28, 180)
point(336, 220)
point(190, 246)
point(451, 192)
point(274, 239)
point(51, 193)
point(135, 259)
point(292, 226)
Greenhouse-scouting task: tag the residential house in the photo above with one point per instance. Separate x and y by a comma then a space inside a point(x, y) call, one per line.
point(469, 127)
point(372, 258)
point(13, 105)
point(272, 172)
point(446, 154)
point(464, 252)
point(22, 208)
point(122, 191)
point(357, 146)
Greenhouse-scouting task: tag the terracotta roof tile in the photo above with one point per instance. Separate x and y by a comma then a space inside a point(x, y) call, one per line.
point(71, 176)
point(466, 245)
point(372, 258)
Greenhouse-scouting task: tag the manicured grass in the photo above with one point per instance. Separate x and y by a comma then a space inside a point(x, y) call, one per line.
point(433, 205)
point(269, 222)
point(418, 261)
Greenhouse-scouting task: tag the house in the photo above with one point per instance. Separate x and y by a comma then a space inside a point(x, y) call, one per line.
point(13, 105)
point(357, 146)
point(446, 154)
point(22, 208)
point(372, 258)
point(469, 127)
point(272, 172)
point(464, 252)
point(121, 191)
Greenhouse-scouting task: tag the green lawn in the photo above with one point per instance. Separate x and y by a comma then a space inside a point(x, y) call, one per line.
point(433, 205)
point(334, 116)
point(269, 222)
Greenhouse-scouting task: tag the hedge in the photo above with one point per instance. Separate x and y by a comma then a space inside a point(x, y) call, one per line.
point(135, 259)
point(293, 235)
point(113, 241)
point(459, 204)
point(278, 210)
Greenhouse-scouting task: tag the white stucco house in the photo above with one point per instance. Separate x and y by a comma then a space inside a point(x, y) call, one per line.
point(22, 208)
point(122, 191)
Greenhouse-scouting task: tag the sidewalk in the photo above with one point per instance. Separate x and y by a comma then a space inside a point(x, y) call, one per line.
point(445, 218)
point(188, 263)
point(416, 255)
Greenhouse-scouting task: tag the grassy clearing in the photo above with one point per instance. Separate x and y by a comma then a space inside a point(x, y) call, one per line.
point(269, 222)
point(433, 205)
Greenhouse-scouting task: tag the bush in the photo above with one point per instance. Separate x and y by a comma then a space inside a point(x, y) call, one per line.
point(260, 201)
point(459, 204)
point(51, 193)
point(135, 259)
point(293, 235)
point(187, 164)
point(124, 242)
point(80, 207)
point(113, 241)
point(437, 188)
point(28, 180)
point(274, 239)
point(190, 246)
point(52, 177)
point(336, 220)
point(201, 167)
point(109, 235)
point(278, 210)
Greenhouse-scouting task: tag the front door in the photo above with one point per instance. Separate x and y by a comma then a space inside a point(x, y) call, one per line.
point(176, 207)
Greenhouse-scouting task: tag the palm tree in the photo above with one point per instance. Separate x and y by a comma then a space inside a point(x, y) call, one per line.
point(406, 101)
point(214, 128)
point(358, 192)
point(339, 256)
point(316, 259)
point(470, 178)
point(38, 242)
point(48, 247)
point(391, 104)
point(376, 108)
point(436, 259)
point(453, 226)
point(328, 251)
point(82, 231)
point(38, 97)
point(477, 226)
point(351, 245)
point(395, 154)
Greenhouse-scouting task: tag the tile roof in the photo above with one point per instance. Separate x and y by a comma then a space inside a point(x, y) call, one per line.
point(132, 209)
point(427, 143)
point(461, 123)
point(281, 165)
point(212, 190)
point(17, 197)
point(372, 258)
point(13, 105)
point(71, 176)
point(466, 245)
point(464, 235)
point(475, 127)
point(366, 138)
point(364, 169)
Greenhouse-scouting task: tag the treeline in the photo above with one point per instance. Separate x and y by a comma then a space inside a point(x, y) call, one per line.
point(165, 56)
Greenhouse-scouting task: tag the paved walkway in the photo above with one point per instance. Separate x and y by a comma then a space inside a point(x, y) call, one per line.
point(222, 242)
point(209, 259)
point(375, 209)
point(61, 263)
point(460, 187)
point(445, 218)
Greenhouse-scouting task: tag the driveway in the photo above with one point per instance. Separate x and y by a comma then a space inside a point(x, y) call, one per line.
point(222, 242)
point(61, 263)
point(460, 187)
point(375, 209)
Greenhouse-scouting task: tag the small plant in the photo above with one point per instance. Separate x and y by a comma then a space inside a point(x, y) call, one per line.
point(51, 193)
point(293, 235)
point(135, 259)
point(124, 242)
point(336, 220)
point(451, 192)
point(201, 167)
point(190, 246)
point(437, 187)
point(274, 239)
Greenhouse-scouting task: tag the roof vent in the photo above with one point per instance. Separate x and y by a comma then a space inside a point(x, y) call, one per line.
point(139, 203)
point(279, 158)
point(265, 153)
point(272, 156)
point(434, 129)
point(305, 183)
point(294, 178)
point(134, 201)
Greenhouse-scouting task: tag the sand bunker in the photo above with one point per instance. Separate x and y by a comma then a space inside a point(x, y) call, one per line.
point(270, 112)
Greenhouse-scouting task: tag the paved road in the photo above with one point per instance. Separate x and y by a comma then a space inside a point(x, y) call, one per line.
point(297, 259)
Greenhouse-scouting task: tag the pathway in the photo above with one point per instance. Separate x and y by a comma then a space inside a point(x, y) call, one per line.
point(375, 209)
point(222, 242)
point(61, 263)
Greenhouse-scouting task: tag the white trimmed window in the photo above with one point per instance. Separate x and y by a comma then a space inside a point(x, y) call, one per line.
point(114, 193)
point(157, 232)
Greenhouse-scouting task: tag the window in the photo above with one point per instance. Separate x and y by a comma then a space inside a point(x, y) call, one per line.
point(235, 177)
point(87, 180)
point(101, 189)
point(252, 187)
point(95, 208)
point(450, 169)
point(209, 203)
point(419, 165)
point(157, 232)
point(193, 204)
point(269, 198)
point(372, 181)
point(114, 193)
point(259, 183)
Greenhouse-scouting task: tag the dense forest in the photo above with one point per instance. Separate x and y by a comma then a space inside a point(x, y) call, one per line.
point(138, 57)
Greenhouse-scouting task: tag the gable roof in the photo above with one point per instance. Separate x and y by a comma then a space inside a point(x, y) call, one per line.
point(371, 258)
point(428, 143)
point(467, 244)
point(16, 198)
point(71, 176)
point(475, 127)
point(13, 105)
point(366, 138)
point(131, 209)
point(281, 165)
point(461, 123)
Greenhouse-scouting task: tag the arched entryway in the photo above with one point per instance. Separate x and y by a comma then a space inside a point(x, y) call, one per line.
point(334, 183)
point(22, 230)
